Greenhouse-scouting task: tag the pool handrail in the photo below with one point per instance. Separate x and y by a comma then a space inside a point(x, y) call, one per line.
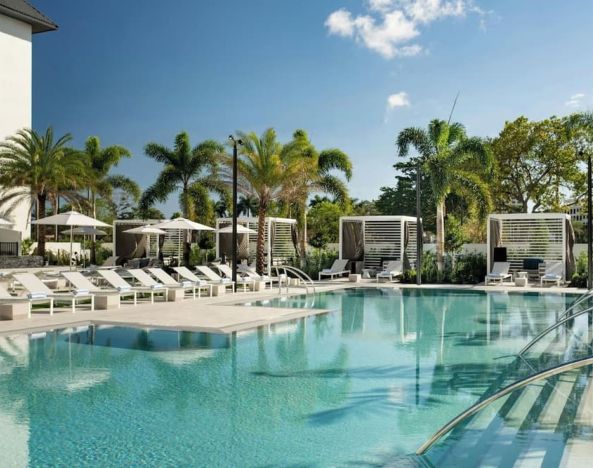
point(300, 274)
point(559, 369)
point(576, 302)
point(552, 327)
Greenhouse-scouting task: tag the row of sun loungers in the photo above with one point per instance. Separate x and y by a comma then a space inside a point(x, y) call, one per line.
point(152, 282)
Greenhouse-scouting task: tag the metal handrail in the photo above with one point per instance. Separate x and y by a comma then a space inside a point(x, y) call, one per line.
point(552, 327)
point(576, 364)
point(300, 275)
point(576, 303)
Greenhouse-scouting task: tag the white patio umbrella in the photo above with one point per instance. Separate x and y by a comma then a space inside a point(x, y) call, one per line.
point(72, 219)
point(85, 231)
point(240, 230)
point(182, 224)
point(148, 230)
point(4, 222)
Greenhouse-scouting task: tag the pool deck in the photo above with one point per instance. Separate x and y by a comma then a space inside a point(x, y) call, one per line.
point(222, 314)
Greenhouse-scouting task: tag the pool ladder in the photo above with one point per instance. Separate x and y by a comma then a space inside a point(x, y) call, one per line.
point(304, 278)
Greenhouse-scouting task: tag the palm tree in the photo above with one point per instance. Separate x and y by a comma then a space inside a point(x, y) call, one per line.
point(102, 183)
point(189, 170)
point(453, 163)
point(316, 174)
point(34, 166)
point(247, 206)
point(263, 171)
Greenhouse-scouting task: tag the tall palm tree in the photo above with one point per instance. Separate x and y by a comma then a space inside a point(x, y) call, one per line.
point(35, 166)
point(453, 163)
point(316, 174)
point(263, 171)
point(189, 170)
point(247, 206)
point(102, 183)
point(192, 171)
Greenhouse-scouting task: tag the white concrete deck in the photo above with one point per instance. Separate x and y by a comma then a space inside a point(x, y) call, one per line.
point(223, 314)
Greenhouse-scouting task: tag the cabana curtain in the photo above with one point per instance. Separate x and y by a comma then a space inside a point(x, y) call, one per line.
point(495, 238)
point(352, 241)
point(570, 239)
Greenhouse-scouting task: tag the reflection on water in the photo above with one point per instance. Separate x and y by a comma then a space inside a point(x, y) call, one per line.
point(355, 386)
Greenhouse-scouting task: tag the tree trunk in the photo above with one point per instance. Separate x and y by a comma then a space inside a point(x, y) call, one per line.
point(93, 253)
point(260, 260)
point(302, 232)
point(41, 199)
point(440, 247)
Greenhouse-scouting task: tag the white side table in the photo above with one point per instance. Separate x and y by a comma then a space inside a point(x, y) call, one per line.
point(354, 278)
point(521, 279)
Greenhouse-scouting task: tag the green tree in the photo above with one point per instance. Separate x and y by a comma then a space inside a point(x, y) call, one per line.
point(36, 166)
point(317, 174)
point(535, 163)
point(452, 163)
point(323, 223)
point(247, 206)
point(102, 183)
point(194, 172)
point(263, 171)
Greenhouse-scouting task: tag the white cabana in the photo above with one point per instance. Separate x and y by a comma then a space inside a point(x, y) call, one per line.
point(278, 243)
point(370, 241)
point(527, 240)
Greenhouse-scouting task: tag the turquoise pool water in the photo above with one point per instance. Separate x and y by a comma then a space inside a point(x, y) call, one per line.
point(360, 385)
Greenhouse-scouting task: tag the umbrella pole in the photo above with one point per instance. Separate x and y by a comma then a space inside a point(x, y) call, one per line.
point(71, 227)
point(179, 247)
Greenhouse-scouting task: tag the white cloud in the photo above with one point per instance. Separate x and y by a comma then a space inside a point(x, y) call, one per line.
point(575, 101)
point(391, 25)
point(398, 100)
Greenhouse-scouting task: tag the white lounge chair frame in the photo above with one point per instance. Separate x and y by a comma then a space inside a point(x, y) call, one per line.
point(79, 281)
point(499, 273)
point(146, 281)
point(228, 273)
point(170, 282)
point(34, 287)
point(216, 279)
point(266, 279)
point(187, 274)
point(116, 281)
point(338, 268)
point(554, 273)
point(392, 270)
point(7, 298)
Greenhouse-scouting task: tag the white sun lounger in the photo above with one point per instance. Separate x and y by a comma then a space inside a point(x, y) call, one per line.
point(266, 279)
point(116, 281)
point(7, 298)
point(146, 281)
point(81, 282)
point(499, 273)
point(188, 275)
point(228, 272)
point(553, 274)
point(37, 288)
point(170, 282)
point(391, 271)
point(214, 278)
point(337, 269)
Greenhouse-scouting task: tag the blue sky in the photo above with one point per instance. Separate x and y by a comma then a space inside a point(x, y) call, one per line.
point(351, 72)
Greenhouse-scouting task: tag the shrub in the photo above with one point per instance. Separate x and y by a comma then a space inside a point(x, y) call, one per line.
point(26, 245)
point(315, 261)
point(460, 269)
point(469, 269)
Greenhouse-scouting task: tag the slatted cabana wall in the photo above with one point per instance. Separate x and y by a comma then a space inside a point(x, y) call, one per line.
point(529, 236)
point(383, 239)
point(280, 243)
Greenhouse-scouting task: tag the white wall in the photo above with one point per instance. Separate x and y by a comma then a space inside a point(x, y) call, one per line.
point(15, 93)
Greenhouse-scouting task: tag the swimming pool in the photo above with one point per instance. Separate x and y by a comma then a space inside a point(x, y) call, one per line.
point(372, 380)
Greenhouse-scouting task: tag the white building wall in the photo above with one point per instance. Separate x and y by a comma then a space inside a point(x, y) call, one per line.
point(15, 93)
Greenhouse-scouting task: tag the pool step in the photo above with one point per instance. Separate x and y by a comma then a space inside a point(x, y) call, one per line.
point(542, 424)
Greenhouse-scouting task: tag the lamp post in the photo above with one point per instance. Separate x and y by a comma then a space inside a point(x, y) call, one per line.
point(235, 142)
point(418, 228)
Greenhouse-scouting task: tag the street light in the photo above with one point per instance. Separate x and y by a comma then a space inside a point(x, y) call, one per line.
point(235, 142)
point(418, 228)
